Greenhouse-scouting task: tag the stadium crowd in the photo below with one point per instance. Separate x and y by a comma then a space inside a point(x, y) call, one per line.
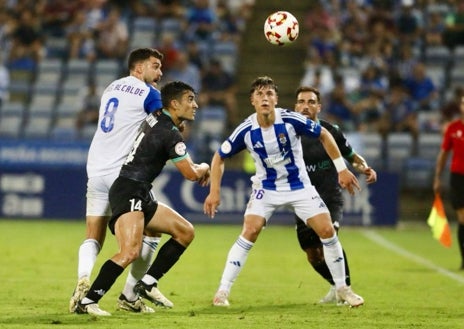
point(382, 66)
point(46, 44)
point(386, 66)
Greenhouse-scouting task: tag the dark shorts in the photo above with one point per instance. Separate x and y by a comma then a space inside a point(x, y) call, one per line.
point(306, 235)
point(127, 195)
point(457, 190)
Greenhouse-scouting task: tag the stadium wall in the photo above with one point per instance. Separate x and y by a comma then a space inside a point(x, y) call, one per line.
point(48, 180)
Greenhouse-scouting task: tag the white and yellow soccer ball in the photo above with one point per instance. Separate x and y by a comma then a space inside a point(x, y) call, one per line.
point(281, 28)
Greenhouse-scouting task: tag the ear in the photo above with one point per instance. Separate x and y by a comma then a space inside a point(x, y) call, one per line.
point(175, 104)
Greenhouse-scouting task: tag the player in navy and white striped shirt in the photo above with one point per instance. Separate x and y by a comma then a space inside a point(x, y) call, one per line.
point(273, 138)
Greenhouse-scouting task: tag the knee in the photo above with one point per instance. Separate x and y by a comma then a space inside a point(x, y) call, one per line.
point(326, 232)
point(186, 234)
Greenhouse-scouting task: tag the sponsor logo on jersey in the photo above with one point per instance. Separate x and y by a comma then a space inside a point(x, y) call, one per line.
point(180, 148)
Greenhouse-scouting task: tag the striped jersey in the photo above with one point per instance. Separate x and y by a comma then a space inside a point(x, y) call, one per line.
point(125, 103)
point(276, 150)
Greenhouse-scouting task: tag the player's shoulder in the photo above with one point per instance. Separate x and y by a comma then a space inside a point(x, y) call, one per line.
point(327, 124)
point(288, 115)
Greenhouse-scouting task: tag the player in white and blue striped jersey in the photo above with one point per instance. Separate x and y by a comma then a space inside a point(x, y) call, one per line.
point(273, 138)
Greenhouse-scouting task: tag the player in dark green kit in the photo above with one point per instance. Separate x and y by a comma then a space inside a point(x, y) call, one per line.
point(135, 209)
point(324, 177)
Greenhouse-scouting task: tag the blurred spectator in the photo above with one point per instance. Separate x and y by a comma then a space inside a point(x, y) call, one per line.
point(320, 77)
point(112, 36)
point(320, 18)
point(167, 8)
point(408, 24)
point(201, 21)
point(4, 83)
point(339, 109)
point(80, 38)
point(373, 82)
point(218, 88)
point(184, 71)
point(56, 14)
point(454, 30)
point(7, 26)
point(170, 50)
point(380, 24)
point(399, 114)
point(451, 109)
point(230, 26)
point(27, 47)
point(405, 62)
point(88, 115)
point(352, 43)
point(196, 55)
point(434, 29)
point(323, 47)
point(422, 89)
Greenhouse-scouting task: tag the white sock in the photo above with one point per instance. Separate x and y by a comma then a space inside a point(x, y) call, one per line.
point(333, 255)
point(88, 252)
point(140, 266)
point(236, 259)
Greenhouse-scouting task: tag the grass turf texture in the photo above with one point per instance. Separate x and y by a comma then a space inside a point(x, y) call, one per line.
point(276, 289)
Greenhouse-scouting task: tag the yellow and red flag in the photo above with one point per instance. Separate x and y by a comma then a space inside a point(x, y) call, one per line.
point(439, 223)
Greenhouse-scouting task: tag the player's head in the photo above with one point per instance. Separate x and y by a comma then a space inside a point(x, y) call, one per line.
point(179, 99)
point(308, 101)
point(263, 93)
point(145, 64)
point(261, 82)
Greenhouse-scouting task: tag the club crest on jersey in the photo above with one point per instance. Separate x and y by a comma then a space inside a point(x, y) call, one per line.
point(282, 139)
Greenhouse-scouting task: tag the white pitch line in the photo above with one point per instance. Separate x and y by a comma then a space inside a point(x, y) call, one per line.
point(403, 252)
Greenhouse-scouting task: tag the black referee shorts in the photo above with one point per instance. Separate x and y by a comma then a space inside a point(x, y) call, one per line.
point(127, 195)
point(457, 190)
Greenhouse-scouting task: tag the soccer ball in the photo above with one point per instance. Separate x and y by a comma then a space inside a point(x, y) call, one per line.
point(281, 28)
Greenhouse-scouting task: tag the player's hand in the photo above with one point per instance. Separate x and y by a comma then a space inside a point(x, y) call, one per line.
point(212, 201)
point(371, 175)
point(348, 181)
point(204, 180)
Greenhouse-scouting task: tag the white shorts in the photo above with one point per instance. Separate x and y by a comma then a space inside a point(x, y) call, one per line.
point(305, 203)
point(97, 195)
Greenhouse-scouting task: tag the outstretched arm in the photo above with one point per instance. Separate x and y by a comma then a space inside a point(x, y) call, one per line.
point(213, 199)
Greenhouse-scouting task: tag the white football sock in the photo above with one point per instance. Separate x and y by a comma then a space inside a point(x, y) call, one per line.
point(140, 266)
point(88, 252)
point(236, 259)
point(333, 255)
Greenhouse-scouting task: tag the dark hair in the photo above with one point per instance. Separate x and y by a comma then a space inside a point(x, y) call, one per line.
point(311, 89)
point(142, 54)
point(261, 82)
point(174, 90)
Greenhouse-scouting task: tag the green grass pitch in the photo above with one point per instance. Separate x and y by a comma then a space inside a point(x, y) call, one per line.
point(408, 280)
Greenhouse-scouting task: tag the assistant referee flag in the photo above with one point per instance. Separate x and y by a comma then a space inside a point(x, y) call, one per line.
point(439, 223)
